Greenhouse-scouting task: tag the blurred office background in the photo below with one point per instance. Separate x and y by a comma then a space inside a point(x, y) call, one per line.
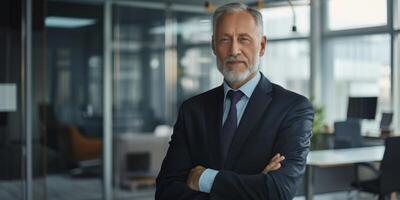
point(90, 88)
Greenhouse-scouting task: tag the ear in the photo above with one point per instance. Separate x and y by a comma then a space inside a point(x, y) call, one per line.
point(213, 44)
point(263, 45)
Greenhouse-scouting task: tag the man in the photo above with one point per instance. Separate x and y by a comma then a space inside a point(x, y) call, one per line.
point(247, 139)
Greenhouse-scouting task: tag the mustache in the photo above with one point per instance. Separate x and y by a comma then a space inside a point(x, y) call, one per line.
point(232, 59)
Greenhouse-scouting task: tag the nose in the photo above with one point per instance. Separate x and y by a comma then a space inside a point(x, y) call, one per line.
point(235, 48)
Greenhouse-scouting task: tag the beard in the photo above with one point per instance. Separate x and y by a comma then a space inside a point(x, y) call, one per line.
point(233, 75)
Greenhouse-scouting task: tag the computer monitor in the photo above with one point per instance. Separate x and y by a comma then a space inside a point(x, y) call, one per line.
point(362, 107)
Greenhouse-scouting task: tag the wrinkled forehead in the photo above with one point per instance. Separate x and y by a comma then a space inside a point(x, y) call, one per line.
point(241, 22)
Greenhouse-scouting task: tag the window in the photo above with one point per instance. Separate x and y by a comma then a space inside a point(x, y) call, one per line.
point(286, 60)
point(278, 21)
point(138, 61)
point(361, 67)
point(349, 14)
point(194, 28)
point(287, 63)
point(396, 83)
point(197, 69)
point(396, 14)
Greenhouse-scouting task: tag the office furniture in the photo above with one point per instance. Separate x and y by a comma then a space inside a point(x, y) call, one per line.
point(388, 179)
point(386, 121)
point(138, 155)
point(75, 151)
point(336, 157)
point(83, 148)
point(347, 134)
point(385, 124)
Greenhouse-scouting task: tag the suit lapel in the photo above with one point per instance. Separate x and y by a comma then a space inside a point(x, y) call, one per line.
point(256, 106)
point(214, 113)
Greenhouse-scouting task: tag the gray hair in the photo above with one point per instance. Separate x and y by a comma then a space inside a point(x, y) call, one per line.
point(238, 7)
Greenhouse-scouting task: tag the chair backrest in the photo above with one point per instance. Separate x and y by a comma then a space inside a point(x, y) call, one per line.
point(390, 166)
point(386, 121)
point(347, 134)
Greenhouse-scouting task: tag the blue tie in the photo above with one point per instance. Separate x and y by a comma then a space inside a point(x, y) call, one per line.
point(230, 125)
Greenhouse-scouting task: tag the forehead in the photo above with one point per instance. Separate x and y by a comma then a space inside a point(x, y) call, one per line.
point(241, 21)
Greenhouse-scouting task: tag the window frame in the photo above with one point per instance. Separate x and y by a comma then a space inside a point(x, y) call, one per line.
point(328, 35)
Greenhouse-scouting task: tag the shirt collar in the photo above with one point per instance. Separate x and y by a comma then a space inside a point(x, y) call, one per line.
point(247, 88)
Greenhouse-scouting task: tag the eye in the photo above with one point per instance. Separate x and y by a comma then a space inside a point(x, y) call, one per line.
point(244, 39)
point(224, 40)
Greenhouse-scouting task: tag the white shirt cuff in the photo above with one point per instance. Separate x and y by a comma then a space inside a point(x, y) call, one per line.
point(207, 179)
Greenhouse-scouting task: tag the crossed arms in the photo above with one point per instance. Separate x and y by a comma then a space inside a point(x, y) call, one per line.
point(178, 178)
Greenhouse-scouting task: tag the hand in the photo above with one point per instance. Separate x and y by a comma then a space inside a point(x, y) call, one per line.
point(194, 176)
point(274, 164)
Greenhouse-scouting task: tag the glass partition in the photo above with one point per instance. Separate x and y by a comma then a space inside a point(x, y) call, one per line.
point(12, 143)
point(72, 113)
point(139, 99)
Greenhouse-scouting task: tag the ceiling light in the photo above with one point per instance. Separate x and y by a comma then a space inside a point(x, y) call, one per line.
point(68, 22)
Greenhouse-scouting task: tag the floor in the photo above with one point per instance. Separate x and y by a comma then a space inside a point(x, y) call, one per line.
point(341, 196)
point(65, 188)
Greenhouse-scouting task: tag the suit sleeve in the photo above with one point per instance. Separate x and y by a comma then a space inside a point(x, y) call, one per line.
point(292, 141)
point(171, 181)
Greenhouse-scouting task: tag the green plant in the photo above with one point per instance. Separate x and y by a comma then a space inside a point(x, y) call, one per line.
point(318, 124)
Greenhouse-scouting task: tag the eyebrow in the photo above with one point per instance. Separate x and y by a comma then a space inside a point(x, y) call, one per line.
point(240, 35)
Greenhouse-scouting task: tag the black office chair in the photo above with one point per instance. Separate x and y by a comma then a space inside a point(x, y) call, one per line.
point(388, 179)
point(347, 134)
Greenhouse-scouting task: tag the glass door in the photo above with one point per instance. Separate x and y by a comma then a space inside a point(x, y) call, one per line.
point(72, 113)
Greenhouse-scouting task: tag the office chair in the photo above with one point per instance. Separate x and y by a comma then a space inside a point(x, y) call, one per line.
point(385, 125)
point(347, 134)
point(75, 151)
point(388, 179)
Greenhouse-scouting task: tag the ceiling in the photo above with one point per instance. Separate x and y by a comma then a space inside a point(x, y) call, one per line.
point(202, 2)
point(182, 2)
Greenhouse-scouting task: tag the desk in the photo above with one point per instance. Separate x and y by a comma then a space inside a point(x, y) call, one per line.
point(335, 157)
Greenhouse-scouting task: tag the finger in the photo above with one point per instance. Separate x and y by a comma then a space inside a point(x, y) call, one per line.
point(275, 164)
point(272, 167)
point(281, 158)
point(277, 160)
point(275, 157)
point(276, 167)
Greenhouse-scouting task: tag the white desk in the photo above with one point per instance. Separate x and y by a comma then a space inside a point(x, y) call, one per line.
point(335, 157)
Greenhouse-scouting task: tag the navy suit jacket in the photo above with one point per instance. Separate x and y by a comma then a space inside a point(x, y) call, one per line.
point(275, 121)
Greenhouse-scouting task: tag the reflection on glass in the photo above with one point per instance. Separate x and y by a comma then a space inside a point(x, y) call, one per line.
point(71, 118)
point(278, 21)
point(138, 49)
point(348, 14)
point(194, 29)
point(361, 67)
point(140, 138)
point(197, 69)
point(287, 64)
point(12, 140)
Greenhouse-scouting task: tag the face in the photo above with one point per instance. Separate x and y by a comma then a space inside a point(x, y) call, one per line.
point(238, 47)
